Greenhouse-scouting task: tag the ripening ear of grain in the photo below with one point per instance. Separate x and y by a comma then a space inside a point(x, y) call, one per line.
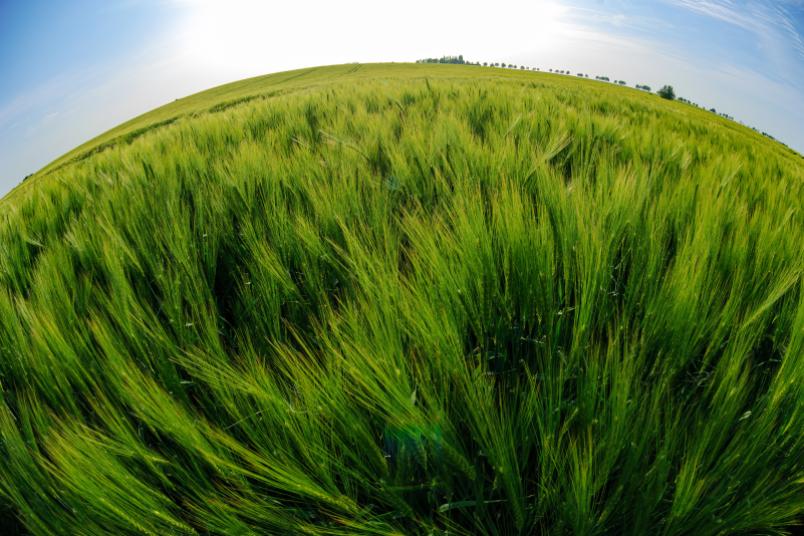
point(398, 299)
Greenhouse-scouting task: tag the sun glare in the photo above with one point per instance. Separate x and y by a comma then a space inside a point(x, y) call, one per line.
point(248, 37)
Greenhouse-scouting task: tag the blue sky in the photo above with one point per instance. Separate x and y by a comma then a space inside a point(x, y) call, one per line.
point(70, 70)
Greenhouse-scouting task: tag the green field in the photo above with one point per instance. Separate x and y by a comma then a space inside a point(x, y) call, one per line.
point(406, 299)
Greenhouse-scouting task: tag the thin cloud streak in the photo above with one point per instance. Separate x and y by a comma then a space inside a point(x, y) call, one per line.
point(768, 20)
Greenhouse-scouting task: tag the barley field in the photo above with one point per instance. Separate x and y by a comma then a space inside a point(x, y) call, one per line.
point(406, 299)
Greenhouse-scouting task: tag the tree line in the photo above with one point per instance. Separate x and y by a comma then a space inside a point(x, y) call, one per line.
point(665, 92)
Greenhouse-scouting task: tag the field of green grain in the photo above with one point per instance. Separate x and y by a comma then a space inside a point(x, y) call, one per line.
point(406, 299)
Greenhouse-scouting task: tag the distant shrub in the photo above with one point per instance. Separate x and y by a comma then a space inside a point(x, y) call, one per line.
point(667, 93)
point(457, 60)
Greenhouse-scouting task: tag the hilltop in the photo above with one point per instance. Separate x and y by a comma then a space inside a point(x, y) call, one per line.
point(229, 95)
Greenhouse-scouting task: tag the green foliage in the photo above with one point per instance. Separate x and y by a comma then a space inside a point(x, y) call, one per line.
point(407, 300)
point(456, 60)
point(666, 92)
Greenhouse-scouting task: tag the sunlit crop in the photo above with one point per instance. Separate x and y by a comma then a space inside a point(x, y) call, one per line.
point(410, 299)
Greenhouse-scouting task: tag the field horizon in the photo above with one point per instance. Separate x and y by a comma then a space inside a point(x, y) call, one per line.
point(231, 93)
